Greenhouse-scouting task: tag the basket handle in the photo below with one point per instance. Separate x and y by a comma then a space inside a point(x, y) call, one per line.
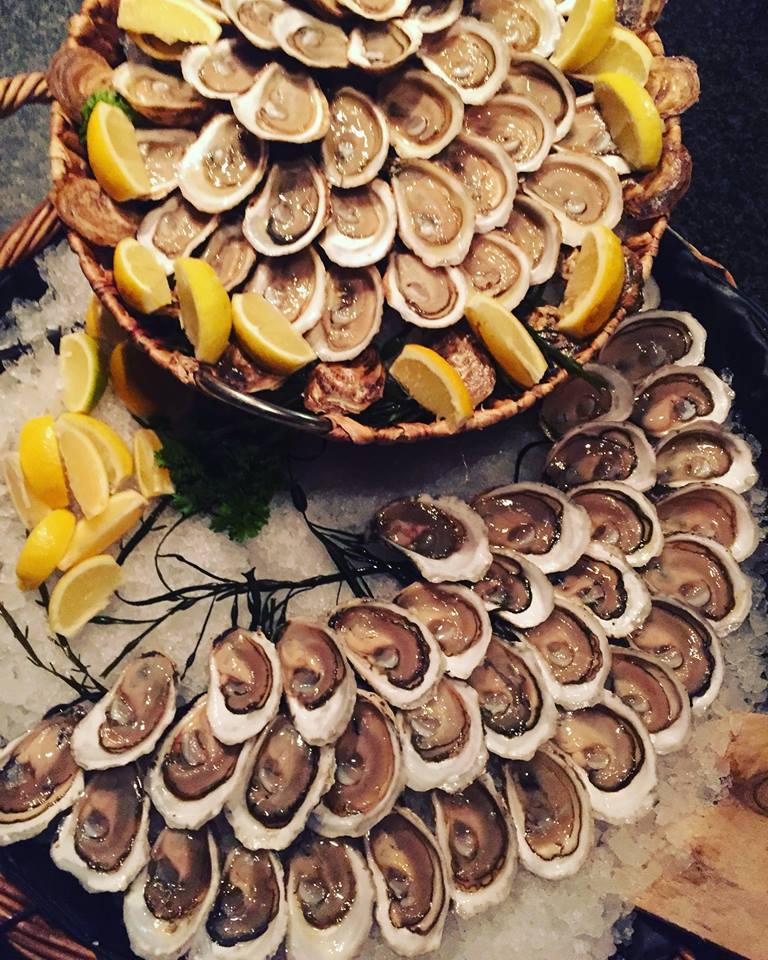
point(40, 226)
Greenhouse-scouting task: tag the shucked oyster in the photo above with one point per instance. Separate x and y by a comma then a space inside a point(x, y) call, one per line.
point(295, 285)
point(377, 9)
point(528, 26)
point(425, 296)
point(432, 16)
point(253, 18)
point(289, 211)
point(313, 41)
point(221, 71)
point(159, 96)
point(471, 56)
point(605, 396)
point(602, 451)
point(162, 152)
point(351, 315)
point(357, 142)
point(362, 225)
point(705, 451)
point(424, 113)
point(647, 341)
point(536, 230)
point(518, 124)
point(712, 511)
point(284, 106)
point(174, 229)
point(516, 589)
point(230, 254)
point(622, 518)
point(676, 395)
point(536, 77)
point(498, 268)
point(379, 47)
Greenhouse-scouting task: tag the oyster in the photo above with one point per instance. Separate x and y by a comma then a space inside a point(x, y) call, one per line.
point(536, 230)
point(518, 124)
point(572, 651)
point(74, 73)
point(442, 536)
point(222, 167)
point(588, 134)
point(174, 230)
point(442, 740)
point(357, 142)
point(379, 47)
point(434, 15)
point(431, 297)
point(295, 285)
point(362, 227)
point(488, 174)
point(391, 649)
point(410, 879)
point(528, 26)
point(349, 386)
point(221, 71)
point(245, 685)
point(475, 834)
point(456, 618)
point(85, 207)
point(289, 211)
point(655, 694)
point(686, 645)
point(496, 267)
point(674, 85)
point(230, 255)
point(516, 589)
point(313, 41)
point(470, 56)
point(369, 772)
point(160, 97)
point(518, 712)
point(424, 113)
point(377, 9)
point(319, 684)
point(605, 396)
point(537, 521)
point(550, 809)
point(253, 18)
point(39, 776)
point(647, 341)
point(167, 903)
point(711, 511)
point(615, 757)
point(703, 575)
point(284, 106)
point(131, 717)
point(622, 518)
point(676, 395)
point(533, 76)
point(248, 918)
point(602, 451)
point(705, 451)
point(469, 358)
point(330, 901)
point(103, 840)
point(162, 152)
point(351, 317)
point(285, 777)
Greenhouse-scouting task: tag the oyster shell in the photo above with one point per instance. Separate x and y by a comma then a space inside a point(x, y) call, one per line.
point(432, 297)
point(528, 26)
point(470, 56)
point(245, 685)
point(357, 142)
point(377, 9)
point(162, 152)
point(222, 167)
point(221, 71)
point(295, 285)
point(285, 777)
point(253, 18)
point(85, 207)
point(622, 518)
point(605, 396)
point(705, 451)
point(174, 230)
point(602, 451)
point(676, 395)
point(131, 717)
point(283, 105)
point(488, 174)
point(313, 41)
point(533, 76)
point(442, 536)
point(391, 649)
point(469, 358)
point(518, 712)
point(230, 255)
point(537, 521)
point(369, 772)
point(673, 83)
point(351, 317)
point(496, 267)
point(362, 227)
point(551, 811)
point(475, 834)
point(516, 589)
point(379, 47)
point(434, 15)
point(711, 511)
point(349, 386)
point(319, 684)
point(588, 134)
point(75, 73)
point(160, 97)
point(518, 124)
point(423, 112)
point(330, 901)
point(647, 341)
point(289, 211)
point(103, 840)
point(536, 230)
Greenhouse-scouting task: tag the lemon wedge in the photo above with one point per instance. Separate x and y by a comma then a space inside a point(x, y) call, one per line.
point(206, 313)
point(82, 593)
point(595, 283)
point(157, 49)
point(93, 535)
point(168, 20)
point(30, 508)
point(112, 449)
point(139, 277)
point(632, 119)
point(267, 336)
point(44, 547)
point(586, 32)
point(624, 52)
point(153, 480)
point(85, 470)
point(433, 383)
point(113, 154)
point(102, 325)
point(41, 463)
point(509, 343)
point(83, 372)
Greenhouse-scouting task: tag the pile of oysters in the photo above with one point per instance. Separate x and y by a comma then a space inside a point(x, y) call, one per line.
point(402, 756)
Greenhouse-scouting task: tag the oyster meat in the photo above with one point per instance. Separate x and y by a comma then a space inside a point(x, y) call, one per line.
point(518, 124)
point(174, 229)
point(158, 96)
point(676, 395)
point(434, 15)
point(230, 255)
point(711, 511)
point(295, 285)
point(357, 142)
point(536, 230)
point(622, 518)
point(424, 113)
point(528, 26)
point(605, 396)
point(221, 71)
point(351, 316)
point(489, 175)
point(705, 451)
point(377, 9)
point(290, 210)
point(647, 341)
point(431, 297)
point(379, 47)
point(535, 77)
point(602, 451)
point(471, 56)
point(496, 267)
point(588, 134)
point(516, 589)
point(313, 41)
point(162, 152)
point(253, 18)
point(283, 105)
point(362, 225)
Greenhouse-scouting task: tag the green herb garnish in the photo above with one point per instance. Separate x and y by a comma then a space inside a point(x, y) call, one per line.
point(104, 96)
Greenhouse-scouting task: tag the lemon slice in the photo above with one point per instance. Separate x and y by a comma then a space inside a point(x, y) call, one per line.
point(101, 324)
point(139, 277)
point(44, 547)
point(113, 153)
point(206, 314)
point(433, 383)
point(595, 283)
point(30, 508)
point(83, 373)
point(112, 449)
point(41, 463)
point(168, 20)
point(153, 480)
point(509, 343)
point(632, 119)
point(586, 32)
point(156, 49)
point(267, 336)
point(82, 593)
point(93, 535)
point(85, 470)
point(624, 52)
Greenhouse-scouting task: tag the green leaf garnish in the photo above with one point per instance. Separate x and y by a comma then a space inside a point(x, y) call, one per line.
point(111, 97)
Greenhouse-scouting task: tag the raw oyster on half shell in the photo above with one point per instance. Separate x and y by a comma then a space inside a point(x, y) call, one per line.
point(357, 142)
point(602, 451)
point(712, 511)
point(516, 589)
point(289, 211)
point(705, 451)
point(623, 518)
point(470, 55)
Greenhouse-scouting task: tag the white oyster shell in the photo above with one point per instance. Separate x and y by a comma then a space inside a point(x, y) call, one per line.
point(534, 76)
point(535, 229)
point(739, 474)
point(225, 63)
point(351, 315)
point(369, 44)
point(747, 534)
point(657, 354)
point(314, 42)
point(423, 112)
point(289, 211)
point(377, 9)
point(722, 397)
point(295, 285)
point(489, 175)
point(253, 18)
point(431, 297)
point(156, 231)
point(528, 26)
point(283, 105)
point(642, 471)
point(362, 227)
point(498, 268)
point(230, 255)
point(651, 546)
point(541, 593)
point(479, 63)
point(518, 124)
point(357, 142)
point(162, 151)
point(434, 15)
